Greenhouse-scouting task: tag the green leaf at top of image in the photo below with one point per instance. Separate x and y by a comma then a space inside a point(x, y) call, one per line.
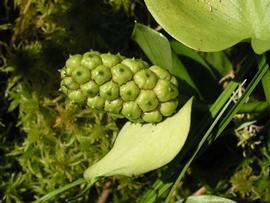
point(205, 199)
point(214, 25)
point(155, 45)
point(142, 148)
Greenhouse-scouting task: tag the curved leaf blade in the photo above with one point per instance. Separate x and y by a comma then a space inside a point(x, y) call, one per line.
point(141, 148)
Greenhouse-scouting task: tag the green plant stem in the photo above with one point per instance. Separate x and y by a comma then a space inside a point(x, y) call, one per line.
point(52, 194)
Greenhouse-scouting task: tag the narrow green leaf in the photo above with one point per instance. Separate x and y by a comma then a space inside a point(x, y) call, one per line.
point(153, 194)
point(6, 26)
point(214, 25)
point(219, 62)
point(179, 70)
point(255, 107)
point(56, 192)
point(252, 85)
point(154, 44)
point(265, 79)
point(181, 49)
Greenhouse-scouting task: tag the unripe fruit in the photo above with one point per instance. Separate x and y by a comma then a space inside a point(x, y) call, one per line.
point(152, 117)
point(109, 59)
point(101, 74)
point(81, 75)
point(135, 64)
point(121, 74)
point(147, 100)
point(129, 91)
point(145, 79)
point(72, 63)
point(90, 88)
point(113, 106)
point(131, 110)
point(165, 90)
point(168, 108)
point(77, 96)
point(90, 61)
point(96, 102)
point(69, 83)
point(126, 87)
point(109, 90)
point(161, 72)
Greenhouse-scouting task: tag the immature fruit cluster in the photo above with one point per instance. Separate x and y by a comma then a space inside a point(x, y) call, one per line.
point(121, 86)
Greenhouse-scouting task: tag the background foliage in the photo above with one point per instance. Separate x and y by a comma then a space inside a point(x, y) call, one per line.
point(47, 142)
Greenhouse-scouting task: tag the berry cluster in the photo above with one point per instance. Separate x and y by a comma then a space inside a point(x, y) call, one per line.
point(122, 86)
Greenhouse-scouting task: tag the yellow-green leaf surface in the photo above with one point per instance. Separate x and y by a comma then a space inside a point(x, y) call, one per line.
point(141, 148)
point(214, 25)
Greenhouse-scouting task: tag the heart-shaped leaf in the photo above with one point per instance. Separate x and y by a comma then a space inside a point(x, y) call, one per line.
point(214, 25)
point(141, 148)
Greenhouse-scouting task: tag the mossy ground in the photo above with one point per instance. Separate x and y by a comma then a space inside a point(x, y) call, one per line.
point(47, 142)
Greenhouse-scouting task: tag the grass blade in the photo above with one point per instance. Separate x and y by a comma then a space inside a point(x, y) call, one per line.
point(225, 121)
point(52, 194)
point(201, 143)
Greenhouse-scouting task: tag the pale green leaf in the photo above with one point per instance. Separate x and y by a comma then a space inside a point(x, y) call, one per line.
point(141, 148)
point(214, 25)
point(206, 199)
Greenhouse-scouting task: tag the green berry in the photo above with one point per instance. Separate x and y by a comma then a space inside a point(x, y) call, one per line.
point(69, 83)
point(64, 89)
point(113, 106)
point(90, 88)
point(109, 90)
point(147, 100)
point(109, 59)
point(101, 74)
point(145, 79)
point(165, 90)
point(160, 72)
point(93, 53)
point(129, 91)
point(81, 75)
point(96, 102)
point(90, 61)
point(152, 117)
point(131, 110)
point(72, 63)
point(76, 96)
point(168, 108)
point(62, 73)
point(121, 74)
point(134, 64)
